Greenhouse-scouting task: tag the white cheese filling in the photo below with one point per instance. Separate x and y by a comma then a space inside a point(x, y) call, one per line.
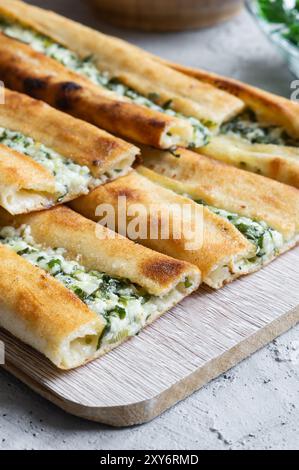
point(86, 67)
point(124, 307)
point(267, 241)
point(71, 178)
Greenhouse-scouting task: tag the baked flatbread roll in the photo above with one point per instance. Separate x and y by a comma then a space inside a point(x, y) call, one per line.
point(128, 91)
point(226, 187)
point(248, 220)
point(106, 81)
point(240, 197)
point(175, 225)
point(263, 139)
point(74, 290)
point(47, 157)
point(268, 106)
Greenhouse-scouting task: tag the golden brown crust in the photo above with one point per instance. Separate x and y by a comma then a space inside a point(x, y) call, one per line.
point(32, 290)
point(72, 138)
point(103, 250)
point(226, 187)
point(130, 64)
point(220, 240)
point(43, 312)
point(268, 106)
point(30, 72)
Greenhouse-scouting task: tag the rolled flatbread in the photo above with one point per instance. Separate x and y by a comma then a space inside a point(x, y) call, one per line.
point(266, 212)
point(228, 188)
point(99, 78)
point(248, 220)
point(267, 141)
point(74, 290)
point(278, 162)
point(51, 158)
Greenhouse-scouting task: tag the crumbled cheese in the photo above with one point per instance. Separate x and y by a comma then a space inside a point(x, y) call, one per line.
point(71, 178)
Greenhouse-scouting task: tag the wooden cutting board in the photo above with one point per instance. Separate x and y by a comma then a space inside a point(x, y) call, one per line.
point(205, 335)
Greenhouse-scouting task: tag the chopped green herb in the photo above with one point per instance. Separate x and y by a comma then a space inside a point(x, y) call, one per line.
point(88, 340)
point(200, 201)
point(124, 300)
point(266, 240)
point(113, 299)
point(191, 146)
point(146, 298)
point(24, 252)
point(114, 81)
point(105, 331)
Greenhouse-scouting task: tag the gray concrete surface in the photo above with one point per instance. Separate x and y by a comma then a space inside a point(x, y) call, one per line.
point(253, 406)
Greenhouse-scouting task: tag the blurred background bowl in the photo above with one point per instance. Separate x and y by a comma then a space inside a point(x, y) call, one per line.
point(166, 15)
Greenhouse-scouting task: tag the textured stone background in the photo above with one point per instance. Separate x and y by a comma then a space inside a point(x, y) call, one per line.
point(253, 406)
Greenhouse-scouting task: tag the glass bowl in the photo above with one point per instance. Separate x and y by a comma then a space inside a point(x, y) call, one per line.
point(289, 51)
